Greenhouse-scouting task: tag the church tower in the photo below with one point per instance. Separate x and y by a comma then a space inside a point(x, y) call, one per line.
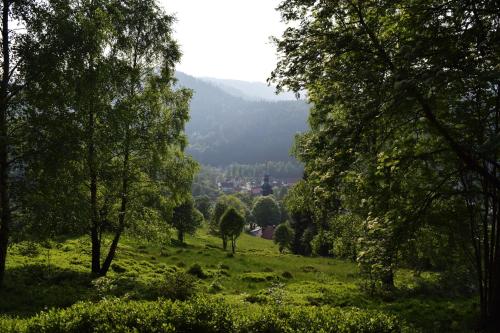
point(266, 187)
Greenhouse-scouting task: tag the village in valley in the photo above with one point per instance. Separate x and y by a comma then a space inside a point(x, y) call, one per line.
point(254, 188)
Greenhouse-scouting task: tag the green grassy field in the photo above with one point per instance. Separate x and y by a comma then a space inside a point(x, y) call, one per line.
point(56, 274)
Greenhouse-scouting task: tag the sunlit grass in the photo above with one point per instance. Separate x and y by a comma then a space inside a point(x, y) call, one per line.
point(58, 276)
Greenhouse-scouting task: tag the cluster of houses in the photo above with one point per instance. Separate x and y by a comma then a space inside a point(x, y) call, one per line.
point(267, 232)
point(265, 188)
point(254, 187)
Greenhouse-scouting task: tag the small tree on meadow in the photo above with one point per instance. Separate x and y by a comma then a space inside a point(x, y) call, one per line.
point(283, 236)
point(221, 206)
point(266, 211)
point(231, 226)
point(204, 205)
point(186, 219)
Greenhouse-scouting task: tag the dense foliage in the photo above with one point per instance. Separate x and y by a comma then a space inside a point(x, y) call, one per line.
point(231, 226)
point(200, 315)
point(266, 211)
point(404, 130)
point(98, 145)
point(186, 219)
point(283, 236)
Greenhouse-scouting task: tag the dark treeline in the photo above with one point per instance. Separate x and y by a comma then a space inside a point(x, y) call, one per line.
point(402, 159)
point(91, 130)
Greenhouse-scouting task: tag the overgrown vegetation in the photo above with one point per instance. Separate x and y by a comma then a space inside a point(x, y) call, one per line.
point(256, 276)
point(201, 315)
point(402, 158)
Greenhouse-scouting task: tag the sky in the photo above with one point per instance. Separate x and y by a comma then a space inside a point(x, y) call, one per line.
point(227, 39)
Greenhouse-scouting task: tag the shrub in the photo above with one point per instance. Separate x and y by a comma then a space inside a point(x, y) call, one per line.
point(224, 272)
point(197, 270)
point(117, 268)
point(223, 266)
point(215, 287)
point(258, 277)
point(28, 249)
point(201, 314)
point(322, 243)
point(177, 286)
point(283, 236)
point(164, 252)
point(257, 298)
point(287, 275)
point(106, 286)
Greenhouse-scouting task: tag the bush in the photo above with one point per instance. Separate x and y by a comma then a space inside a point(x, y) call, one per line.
point(224, 266)
point(257, 298)
point(201, 314)
point(215, 287)
point(28, 249)
point(117, 268)
point(197, 271)
point(322, 243)
point(283, 236)
point(164, 252)
point(287, 275)
point(258, 277)
point(176, 286)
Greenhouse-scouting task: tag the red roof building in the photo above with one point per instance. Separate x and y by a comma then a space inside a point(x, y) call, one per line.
point(268, 232)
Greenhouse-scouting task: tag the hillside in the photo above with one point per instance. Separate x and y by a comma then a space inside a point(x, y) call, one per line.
point(56, 274)
point(225, 129)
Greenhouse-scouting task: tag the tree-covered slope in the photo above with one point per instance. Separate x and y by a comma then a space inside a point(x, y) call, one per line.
point(225, 128)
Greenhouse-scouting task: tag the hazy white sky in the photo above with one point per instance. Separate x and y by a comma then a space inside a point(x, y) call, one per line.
point(226, 39)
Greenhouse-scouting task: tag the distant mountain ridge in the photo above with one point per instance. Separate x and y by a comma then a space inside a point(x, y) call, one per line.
point(226, 129)
point(251, 91)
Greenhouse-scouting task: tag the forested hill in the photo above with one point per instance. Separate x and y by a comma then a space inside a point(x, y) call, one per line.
point(225, 128)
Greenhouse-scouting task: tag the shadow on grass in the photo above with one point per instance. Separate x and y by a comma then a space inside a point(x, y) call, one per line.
point(32, 288)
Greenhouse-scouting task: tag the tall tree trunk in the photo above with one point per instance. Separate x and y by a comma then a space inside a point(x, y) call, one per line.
point(123, 210)
point(5, 209)
point(95, 224)
point(490, 278)
point(111, 253)
point(224, 242)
